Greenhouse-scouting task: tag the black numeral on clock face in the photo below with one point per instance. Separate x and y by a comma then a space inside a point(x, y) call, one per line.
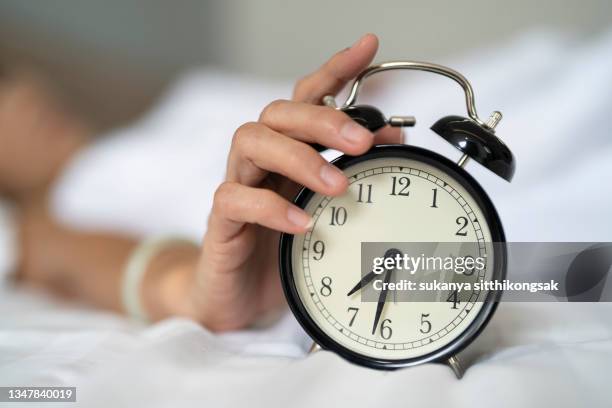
point(319, 250)
point(400, 186)
point(354, 311)
point(462, 222)
point(425, 324)
point(367, 191)
point(434, 203)
point(385, 329)
point(326, 289)
point(338, 216)
point(454, 298)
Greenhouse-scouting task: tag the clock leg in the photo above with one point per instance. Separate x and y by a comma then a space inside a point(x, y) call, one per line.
point(455, 364)
point(314, 348)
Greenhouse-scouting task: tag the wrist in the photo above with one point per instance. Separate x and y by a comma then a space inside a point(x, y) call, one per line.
point(167, 285)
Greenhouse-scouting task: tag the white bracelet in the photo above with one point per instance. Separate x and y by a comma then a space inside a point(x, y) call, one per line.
point(135, 269)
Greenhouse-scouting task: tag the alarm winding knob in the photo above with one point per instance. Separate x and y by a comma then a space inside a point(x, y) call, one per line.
point(494, 119)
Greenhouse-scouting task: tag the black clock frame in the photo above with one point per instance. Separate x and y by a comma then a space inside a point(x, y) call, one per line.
point(499, 269)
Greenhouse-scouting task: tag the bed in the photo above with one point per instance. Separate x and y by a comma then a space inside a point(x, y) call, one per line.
point(555, 93)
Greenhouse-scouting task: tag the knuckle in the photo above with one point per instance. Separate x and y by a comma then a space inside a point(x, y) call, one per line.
point(265, 204)
point(244, 133)
point(258, 205)
point(272, 109)
point(332, 121)
point(223, 196)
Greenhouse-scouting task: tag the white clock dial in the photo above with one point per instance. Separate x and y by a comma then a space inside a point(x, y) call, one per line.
point(389, 200)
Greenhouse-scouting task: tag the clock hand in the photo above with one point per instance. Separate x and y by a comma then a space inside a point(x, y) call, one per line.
point(381, 300)
point(370, 276)
point(364, 281)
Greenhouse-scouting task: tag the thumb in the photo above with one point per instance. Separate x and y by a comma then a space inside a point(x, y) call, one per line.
point(337, 71)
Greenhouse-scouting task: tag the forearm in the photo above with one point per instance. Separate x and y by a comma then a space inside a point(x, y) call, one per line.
point(89, 267)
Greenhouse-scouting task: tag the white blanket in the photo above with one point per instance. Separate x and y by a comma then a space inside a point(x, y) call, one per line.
point(158, 176)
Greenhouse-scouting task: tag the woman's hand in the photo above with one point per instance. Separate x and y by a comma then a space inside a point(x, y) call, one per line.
point(237, 277)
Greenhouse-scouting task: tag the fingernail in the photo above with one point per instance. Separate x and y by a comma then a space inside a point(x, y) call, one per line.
point(354, 133)
point(332, 176)
point(358, 42)
point(300, 218)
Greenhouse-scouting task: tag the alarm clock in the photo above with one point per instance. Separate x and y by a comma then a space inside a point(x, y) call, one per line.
point(398, 193)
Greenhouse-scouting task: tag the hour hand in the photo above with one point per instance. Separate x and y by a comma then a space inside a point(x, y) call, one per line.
point(364, 281)
point(370, 276)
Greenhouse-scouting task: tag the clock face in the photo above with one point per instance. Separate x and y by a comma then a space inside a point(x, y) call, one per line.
point(397, 194)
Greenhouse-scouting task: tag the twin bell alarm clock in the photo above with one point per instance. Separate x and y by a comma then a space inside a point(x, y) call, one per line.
point(399, 193)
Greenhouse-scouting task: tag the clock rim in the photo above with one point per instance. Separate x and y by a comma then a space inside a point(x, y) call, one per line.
point(484, 315)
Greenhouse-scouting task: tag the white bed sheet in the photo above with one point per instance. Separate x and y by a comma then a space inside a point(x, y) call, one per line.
point(555, 97)
point(530, 355)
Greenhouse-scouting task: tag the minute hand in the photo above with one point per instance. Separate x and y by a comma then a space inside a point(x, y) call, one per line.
point(381, 300)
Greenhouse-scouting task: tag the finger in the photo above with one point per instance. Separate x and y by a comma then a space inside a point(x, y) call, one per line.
point(317, 124)
point(257, 149)
point(389, 135)
point(337, 71)
point(235, 205)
